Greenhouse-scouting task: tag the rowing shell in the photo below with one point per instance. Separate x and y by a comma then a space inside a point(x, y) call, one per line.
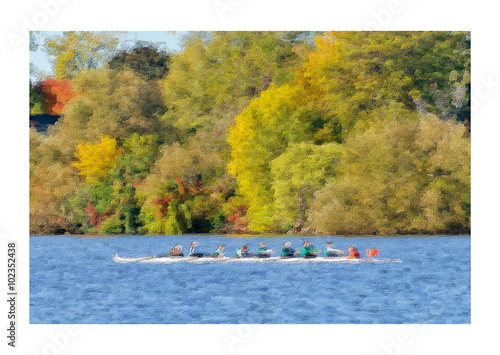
point(192, 260)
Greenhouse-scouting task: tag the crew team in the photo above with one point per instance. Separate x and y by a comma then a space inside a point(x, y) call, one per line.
point(306, 251)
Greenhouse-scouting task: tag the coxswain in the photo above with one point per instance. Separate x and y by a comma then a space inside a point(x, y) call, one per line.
point(372, 252)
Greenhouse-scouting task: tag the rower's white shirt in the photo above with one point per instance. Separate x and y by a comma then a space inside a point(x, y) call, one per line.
point(333, 250)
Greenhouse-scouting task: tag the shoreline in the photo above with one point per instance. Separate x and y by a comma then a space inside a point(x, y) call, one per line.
point(91, 235)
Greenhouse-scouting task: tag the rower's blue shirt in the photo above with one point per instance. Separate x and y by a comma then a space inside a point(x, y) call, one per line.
point(287, 251)
point(217, 252)
point(242, 254)
point(308, 250)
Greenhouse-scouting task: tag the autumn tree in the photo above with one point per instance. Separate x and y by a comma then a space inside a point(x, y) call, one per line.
point(37, 105)
point(112, 174)
point(75, 51)
point(255, 131)
point(56, 95)
point(209, 83)
point(352, 73)
point(96, 160)
point(114, 103)
point(402, 175)
point(57, 201)
point(147, 62)
point(296, 175)
point(215, 76)
point(354, 81)
point(132, 168)
point(184, 189)
point(261, 133)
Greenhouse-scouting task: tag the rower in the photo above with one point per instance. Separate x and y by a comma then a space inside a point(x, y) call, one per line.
point(176, 251)
point(332, 253)
point(243, 252)
point(263, 252)
point(219, 253)
point(191, 250)
point(287, 251)
point(308, 250)
point(353, 252)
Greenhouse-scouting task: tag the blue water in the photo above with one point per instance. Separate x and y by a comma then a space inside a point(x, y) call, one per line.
point(74, 280)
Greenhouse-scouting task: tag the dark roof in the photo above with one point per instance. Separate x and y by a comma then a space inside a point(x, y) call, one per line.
point(42, 122)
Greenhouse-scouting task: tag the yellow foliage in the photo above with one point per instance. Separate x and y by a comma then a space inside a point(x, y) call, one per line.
point(77, 50)
point(260, 134)
point(96, 160)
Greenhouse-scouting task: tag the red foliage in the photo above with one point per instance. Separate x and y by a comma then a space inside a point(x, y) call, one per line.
point(238, 219)
point(93, 213)
point(234, 217)
point(96, 218)
point(56, 95)
point(163, 202)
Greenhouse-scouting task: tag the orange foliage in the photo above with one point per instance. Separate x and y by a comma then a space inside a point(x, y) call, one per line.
point(56, 95)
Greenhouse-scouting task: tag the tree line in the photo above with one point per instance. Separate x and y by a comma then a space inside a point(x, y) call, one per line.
point(252, 132)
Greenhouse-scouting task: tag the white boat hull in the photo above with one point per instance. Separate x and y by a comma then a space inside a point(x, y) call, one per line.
point(192, 260)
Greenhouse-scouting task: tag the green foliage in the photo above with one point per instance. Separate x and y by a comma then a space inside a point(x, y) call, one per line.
point(257, 131)
point(113, 197)
point(211, 81)
point(140, 153)
point(79, 50)
point(147, 62)
point(55, 194)
point(114, 103)
point(405, 175)
point(296, 174)
point(112, 225)
point(37, 106)
point(132, 168)
point(354, 72)
point(184, 186)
